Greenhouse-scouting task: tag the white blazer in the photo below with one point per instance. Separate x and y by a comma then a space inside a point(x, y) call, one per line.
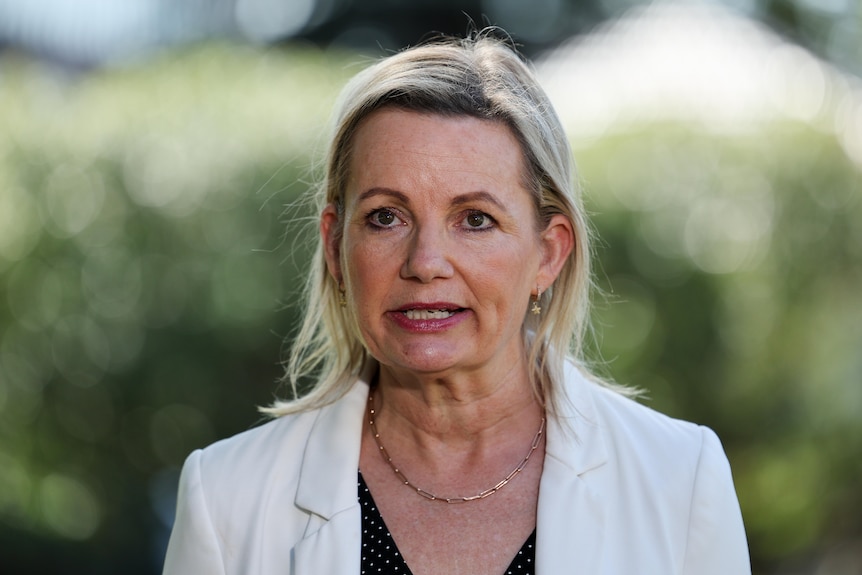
point(624, 491)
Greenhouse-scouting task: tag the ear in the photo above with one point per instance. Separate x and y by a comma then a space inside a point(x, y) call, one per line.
point(331, 233)
point(558, 241)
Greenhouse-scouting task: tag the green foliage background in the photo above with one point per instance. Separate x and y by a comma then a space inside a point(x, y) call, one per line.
point(152, 243)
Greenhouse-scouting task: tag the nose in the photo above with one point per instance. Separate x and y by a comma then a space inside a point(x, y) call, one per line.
point(428, 256)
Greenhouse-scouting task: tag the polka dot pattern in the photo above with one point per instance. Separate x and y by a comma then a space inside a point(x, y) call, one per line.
point(380, 555)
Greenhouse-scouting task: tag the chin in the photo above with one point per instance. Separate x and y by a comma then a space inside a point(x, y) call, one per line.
point(423, 361)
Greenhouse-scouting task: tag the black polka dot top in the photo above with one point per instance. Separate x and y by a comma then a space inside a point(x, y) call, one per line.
point(380, 555)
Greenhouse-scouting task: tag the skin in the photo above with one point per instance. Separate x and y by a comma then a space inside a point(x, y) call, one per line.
point(436, 217)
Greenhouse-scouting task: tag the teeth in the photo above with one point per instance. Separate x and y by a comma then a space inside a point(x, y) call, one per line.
point(428, 313)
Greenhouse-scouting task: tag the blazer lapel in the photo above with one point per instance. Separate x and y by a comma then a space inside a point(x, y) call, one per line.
point(570, 517)
point(327, 487)
point(333, 548)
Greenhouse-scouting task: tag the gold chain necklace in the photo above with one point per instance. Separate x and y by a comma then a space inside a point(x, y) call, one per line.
point(428, 495)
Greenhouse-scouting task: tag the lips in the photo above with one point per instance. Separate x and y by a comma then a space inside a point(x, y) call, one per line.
point(428, 316)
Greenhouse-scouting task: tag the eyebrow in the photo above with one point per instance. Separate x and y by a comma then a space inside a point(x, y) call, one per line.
point(456, 201)
point(400, 196)
point(479, 196)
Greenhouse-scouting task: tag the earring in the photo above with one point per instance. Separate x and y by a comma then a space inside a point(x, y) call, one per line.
point(342, 296)
point(537, 309)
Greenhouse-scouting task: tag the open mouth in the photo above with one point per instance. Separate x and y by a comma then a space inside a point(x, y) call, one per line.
point(420, 314)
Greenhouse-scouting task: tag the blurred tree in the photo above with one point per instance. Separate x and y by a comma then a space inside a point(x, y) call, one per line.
point(148, 266)
point(732, 268)
point(97, 34)
point(145, 281)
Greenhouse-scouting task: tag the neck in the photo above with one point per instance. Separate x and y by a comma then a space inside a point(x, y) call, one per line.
point(452, 409)
point(454, 436)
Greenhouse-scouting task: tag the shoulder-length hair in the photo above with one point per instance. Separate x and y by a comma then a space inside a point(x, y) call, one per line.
point(480, 77)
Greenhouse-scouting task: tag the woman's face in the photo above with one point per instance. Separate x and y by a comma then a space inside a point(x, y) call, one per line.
point(441, 249)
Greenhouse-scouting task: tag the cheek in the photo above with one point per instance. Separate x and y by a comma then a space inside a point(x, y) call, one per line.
point(369, 268)
point(512, 276)
point(503, 284)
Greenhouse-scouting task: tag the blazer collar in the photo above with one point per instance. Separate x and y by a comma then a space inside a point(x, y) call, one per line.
point(327, 480)
point(570, 516)
point(575, 439)
point(327, 486)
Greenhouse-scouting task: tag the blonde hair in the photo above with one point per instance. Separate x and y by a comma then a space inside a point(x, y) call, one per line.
point(481, 77)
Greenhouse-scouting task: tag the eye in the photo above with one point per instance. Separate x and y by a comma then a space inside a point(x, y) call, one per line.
point(384, 218)
point(476, 220)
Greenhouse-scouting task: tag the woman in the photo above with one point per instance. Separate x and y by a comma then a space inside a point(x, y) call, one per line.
point(451, 428)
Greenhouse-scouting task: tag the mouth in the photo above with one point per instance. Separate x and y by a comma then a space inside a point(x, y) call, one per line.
point(426, 314)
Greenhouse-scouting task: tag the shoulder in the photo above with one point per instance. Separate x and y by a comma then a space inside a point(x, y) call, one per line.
point(247, 499)
point(624, 417)
point(257, 449)
point(642, 446)
point(626, 422)
point(660, 488)
point(231, 481)
point(277, 452)
point(225, 491)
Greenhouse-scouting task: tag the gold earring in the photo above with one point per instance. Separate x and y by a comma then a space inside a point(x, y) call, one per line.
point(342, 295)
point(537, 309)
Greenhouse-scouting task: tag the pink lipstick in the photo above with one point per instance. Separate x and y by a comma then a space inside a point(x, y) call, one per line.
point(428, 317)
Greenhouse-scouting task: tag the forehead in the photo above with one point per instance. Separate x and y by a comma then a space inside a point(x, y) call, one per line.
point(398, 148)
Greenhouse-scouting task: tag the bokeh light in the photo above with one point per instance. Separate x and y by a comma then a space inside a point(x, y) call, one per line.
point(69, 507)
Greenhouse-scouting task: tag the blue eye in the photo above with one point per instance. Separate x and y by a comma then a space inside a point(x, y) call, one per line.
point(478, 221)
